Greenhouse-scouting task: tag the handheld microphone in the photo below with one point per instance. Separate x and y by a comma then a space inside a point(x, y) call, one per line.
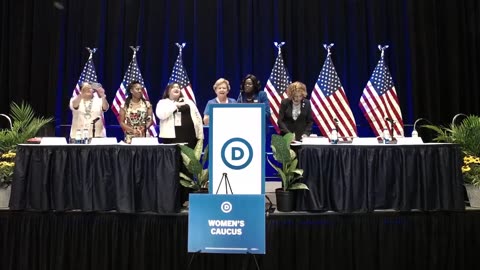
point(95, 120)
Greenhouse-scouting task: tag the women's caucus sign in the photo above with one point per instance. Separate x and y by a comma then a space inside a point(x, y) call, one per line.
point(231, 218)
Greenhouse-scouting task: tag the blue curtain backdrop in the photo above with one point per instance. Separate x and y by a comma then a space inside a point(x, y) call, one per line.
point(433, 55)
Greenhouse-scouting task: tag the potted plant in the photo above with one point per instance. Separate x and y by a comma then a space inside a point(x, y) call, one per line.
point(195, 162)
point(24, 125)
point(467, 135)
point(7, 165)
point(288, 171)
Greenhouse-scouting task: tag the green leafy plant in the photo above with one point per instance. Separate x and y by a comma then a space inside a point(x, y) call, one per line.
point(283, 154)
point(25, 126)
point(467, 135)
point(195, 162)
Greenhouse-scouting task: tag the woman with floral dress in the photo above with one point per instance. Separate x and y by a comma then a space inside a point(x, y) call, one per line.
point(135, 113)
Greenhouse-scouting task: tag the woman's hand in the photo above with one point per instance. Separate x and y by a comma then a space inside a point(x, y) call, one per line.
point(100, 92)
point(140, 131)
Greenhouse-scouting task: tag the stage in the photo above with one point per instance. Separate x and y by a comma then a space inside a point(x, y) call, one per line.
point(298, 240)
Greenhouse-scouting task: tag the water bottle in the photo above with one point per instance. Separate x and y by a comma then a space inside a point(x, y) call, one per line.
point(78, 136)
point(386, 136)
point(334, 136)
point(85, 136)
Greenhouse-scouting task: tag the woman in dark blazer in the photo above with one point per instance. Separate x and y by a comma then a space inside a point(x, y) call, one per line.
point(296, 112)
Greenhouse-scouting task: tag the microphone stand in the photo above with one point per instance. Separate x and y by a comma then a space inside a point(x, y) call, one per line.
point(391, 130)
point(93, 129)
point(414, 131)
point(392, 123)
point(335, 121)
point(335, 124)
point(239, 98)
point(455, 118)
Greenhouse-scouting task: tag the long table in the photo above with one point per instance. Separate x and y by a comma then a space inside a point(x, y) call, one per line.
point(363, 178)
point(124, 178)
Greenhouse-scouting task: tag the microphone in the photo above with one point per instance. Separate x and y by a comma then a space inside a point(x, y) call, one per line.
point(239, 98)
point(8, 118)
point(455, 118)
point(335, 121)
point(93, 126)
point(334, 133)
point(391, 135)
point(390, 120)
point(95, 120)
point(415, 132)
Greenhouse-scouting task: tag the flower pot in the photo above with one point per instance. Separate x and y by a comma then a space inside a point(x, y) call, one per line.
point(202, 190)
point(473, 195)
point(285, 200)
point(4, 196)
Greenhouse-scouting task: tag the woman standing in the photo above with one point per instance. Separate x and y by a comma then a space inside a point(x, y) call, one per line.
point(180, 120)
point(221, 88)
point(87, 110)
point(295, 113)
point(250, 93)
point(135, 113)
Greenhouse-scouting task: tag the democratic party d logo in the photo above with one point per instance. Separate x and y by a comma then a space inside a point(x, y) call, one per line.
point(237, 153)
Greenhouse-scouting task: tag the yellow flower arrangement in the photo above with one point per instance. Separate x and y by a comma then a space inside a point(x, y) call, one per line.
point(471, 170)
point(7, 166)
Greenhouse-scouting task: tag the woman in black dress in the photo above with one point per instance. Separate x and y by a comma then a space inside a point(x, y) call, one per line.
point(295, 113)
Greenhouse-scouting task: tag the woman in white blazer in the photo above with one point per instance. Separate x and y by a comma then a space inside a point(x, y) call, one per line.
point(180, 120)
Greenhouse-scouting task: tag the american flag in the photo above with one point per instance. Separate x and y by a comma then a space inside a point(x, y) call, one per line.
point(276, 87)
point(330, 105)
point(88, 73)
point(379, 101)
point(132, 74)
point(179, 75)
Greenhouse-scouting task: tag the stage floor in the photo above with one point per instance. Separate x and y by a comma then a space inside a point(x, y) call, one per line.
point(298, 240)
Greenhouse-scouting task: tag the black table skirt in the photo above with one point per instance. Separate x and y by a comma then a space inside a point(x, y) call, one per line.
point(350, 178)
point(97, 178)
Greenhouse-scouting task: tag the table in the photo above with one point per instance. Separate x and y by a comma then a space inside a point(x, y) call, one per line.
point(363, 178)
point(124, 178)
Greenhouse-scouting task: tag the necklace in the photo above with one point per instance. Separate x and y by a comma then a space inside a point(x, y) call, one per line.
point(88, 109)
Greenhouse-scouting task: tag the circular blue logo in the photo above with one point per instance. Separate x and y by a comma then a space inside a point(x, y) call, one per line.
point(237, 153)
point(226, 207)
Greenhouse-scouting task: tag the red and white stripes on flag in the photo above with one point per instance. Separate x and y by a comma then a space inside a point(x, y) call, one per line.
point(330, 105)
point(276, 87)
point(132, 74)
point(179, 75)
point(88, 73)
point(379, 101)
